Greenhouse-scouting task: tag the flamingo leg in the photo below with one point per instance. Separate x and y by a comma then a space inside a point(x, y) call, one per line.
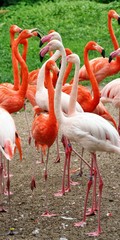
point(69, 151)
point(97, 233)
point(1, 183)
point(47, 213)
point(83, 222)
point(65, 144)
point(58, 153)
point(92, 211)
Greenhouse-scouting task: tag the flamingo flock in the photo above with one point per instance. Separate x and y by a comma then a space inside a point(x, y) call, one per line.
point(70, 109)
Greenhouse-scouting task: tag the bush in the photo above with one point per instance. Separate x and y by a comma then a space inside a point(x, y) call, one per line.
point(13, 2)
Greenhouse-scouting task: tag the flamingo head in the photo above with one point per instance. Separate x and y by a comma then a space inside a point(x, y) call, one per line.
point(92, 45)
point(51, 46)
point(9, 149)
point(52, 35)
point(29, 33)
point(74, 58)
point(114, 54)
point(113, 14)
point(15, 29)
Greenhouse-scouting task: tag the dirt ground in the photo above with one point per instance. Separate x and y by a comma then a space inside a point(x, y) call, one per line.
point(27, 206)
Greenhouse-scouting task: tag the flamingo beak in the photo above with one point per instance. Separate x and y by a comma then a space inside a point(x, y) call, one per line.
point(118, 20)
point(110, 59)
point(103, 53)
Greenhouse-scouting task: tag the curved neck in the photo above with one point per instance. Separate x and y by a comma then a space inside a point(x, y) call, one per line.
point(112, 35)
point(74, 92)
point(58, 91)
point(50, 94)
point(24, 69)
point(96, 93)
point(41, 74)
point(14, 64)
point(67, 72)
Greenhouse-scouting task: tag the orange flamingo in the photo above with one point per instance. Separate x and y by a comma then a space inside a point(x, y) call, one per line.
point(44, 126)
point(110, 93)
point(13, 30)
point(100, 66)
point(92, 131)
point(10, 99)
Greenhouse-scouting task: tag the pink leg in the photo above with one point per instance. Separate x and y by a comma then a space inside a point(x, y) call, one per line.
point(83, 222)
point(97, 233)
point(65, 144)
point(47, 213)
point(93, 209)
point(69, 147)
point(1, 184)
point(58, 153)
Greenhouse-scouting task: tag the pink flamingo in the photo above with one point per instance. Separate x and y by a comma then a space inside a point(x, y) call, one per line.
point(93, 133)
point(100, 66)
point(110, 93)
point(45, 126)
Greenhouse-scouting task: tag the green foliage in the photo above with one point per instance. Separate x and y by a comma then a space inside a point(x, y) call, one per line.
point(77, 21)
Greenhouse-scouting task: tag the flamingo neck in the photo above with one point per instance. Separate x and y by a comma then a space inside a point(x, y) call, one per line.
point(96, 93)
point(67, 72)
point(112, 35)
point(41, 74)
point(24, 69)
point(50, 94)
point(14, 64)
point(58, 91)
point(74, 92)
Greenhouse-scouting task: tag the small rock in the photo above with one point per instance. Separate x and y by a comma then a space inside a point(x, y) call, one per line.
point(35, 232)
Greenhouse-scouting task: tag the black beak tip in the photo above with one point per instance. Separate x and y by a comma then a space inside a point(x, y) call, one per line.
point(103, 53)
point(119, 20)
point(38, 35)
point(41, 43)
point(41, 58)
point(110, 59)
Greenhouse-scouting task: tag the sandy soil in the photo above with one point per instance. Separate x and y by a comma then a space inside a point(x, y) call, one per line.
point(27, 206)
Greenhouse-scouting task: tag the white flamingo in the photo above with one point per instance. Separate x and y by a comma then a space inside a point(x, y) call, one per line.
point(9, 140)
point(92, 132)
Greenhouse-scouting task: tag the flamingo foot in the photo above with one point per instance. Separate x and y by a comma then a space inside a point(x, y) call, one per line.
point(80, 224)
point(94, 234)
point(91, 212)
point(68, 189)
point(2, 209)
point(6, 175)
point(60, 193)
point(57, 160)
point(74, 183)
point(6, 193)
point(48, 214)
point(75, 170)
point(40, 162)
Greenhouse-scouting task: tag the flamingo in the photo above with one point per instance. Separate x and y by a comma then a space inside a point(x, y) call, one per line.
point(9, 140)
point(88, 102)
point(110, 93)
point(100, 66)
point(13, 30)
point(45, 126)
point(93, 133)
point(10, 99)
